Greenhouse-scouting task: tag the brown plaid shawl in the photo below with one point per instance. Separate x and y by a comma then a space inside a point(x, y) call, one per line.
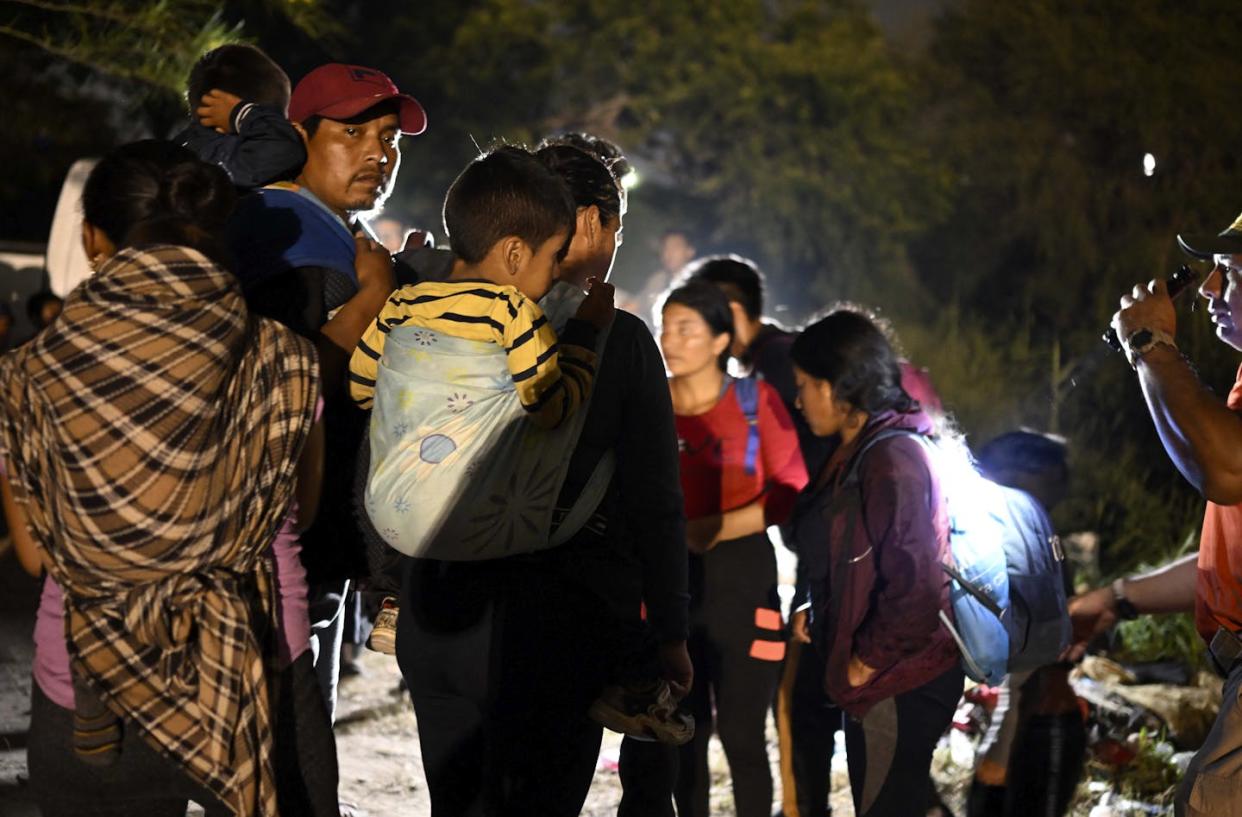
point(151, 435)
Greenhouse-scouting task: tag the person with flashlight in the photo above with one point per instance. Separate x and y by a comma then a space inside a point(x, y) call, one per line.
point(1203, 437)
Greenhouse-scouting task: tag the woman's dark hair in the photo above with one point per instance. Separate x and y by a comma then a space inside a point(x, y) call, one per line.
point(242, 70)
point(712, 306)
point(849, 350)
point(156, 192)
point(589, 178)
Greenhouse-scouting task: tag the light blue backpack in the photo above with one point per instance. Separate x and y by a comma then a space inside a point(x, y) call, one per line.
point(1010, 612)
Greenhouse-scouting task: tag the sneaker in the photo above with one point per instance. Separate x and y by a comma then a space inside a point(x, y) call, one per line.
point(383, 636)
point(646, 712)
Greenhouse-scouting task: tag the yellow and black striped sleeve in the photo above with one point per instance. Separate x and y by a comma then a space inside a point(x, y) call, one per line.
point(553, 377)
point(364, 362)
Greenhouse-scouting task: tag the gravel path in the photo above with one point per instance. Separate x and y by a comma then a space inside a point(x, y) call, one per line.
point(381, 769)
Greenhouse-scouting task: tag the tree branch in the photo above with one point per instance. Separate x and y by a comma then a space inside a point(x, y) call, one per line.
point(109, 13)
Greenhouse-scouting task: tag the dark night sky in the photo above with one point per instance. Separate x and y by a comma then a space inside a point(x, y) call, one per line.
point(902, 18)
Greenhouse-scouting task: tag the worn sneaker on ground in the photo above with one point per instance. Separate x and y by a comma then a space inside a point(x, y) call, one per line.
point(383, 636)
point(645, 711)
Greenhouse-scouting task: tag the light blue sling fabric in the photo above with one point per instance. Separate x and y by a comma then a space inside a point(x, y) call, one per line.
point(458, 470)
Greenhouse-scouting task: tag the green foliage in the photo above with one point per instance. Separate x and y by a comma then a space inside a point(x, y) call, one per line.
point(1043, 111)
point(1161, 638)
point(154, 43)
point(781, 125)
point(1151, 777)
point(987, 195)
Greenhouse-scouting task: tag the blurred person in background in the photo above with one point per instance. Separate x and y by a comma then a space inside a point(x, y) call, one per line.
point(676, 251)
point(741, 471)
point(391, 228)
point(1031, 757)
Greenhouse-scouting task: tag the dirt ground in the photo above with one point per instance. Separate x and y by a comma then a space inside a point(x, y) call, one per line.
point(381, 769)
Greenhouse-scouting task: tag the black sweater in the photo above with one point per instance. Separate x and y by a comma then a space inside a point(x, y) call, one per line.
point(643, 553)
point(261, 147)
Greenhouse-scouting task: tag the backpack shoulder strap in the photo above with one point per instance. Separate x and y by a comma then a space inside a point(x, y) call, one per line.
point(588, 500)
point(851, 471)
point(747, 391)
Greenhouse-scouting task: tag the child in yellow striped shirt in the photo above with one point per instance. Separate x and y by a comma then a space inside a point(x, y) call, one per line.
point(552, 377)
point(509, 220)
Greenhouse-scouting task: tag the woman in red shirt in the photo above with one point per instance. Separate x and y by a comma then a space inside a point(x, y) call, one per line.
point(741, 472)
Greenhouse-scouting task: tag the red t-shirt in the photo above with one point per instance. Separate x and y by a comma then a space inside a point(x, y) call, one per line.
point(713, 458)
point(1218, 594)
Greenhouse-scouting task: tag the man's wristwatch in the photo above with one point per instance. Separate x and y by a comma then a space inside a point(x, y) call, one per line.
point(1142, 341)
point(1124, 607)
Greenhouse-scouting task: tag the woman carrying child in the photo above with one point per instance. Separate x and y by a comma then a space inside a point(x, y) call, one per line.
point(741, 471)
point(872, 547)
point(154, 442)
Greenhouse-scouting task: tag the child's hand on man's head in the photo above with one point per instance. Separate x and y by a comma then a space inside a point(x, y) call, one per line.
point(215, 110)
point(597, 308)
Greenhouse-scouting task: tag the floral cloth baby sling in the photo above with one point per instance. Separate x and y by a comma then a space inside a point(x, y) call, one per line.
point(458, 472)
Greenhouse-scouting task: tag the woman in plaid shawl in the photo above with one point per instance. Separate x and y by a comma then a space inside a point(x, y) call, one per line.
point(151, 438)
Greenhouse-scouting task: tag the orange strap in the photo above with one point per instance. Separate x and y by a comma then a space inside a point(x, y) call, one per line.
point(784, 733)
point(768, 619)
point(767, 650)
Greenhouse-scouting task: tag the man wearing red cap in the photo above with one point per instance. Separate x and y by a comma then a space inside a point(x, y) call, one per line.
point(305, 260)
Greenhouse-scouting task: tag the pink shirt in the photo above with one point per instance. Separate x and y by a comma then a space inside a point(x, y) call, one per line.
point(51, 658)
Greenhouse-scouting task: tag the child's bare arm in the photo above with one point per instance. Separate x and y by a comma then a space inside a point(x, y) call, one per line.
point(553, 375)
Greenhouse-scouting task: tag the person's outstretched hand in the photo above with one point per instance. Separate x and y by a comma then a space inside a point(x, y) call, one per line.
point(676, 668)
point(1091, 613)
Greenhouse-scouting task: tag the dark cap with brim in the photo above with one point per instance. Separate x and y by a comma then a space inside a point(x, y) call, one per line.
point(338, 91)
point(1227, 242)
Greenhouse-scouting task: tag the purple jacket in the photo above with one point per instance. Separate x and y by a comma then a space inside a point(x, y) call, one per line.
point(887, 535)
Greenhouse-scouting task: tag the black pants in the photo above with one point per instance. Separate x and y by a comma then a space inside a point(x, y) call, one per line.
point(648, 774)
point(890, 749)
point(1046, 765)
point(144, 783)
point(327, 618)
point(736, 643)
point(814, 724)
point(502, 660)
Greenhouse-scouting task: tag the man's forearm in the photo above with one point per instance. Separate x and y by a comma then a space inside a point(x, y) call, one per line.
point(1168, 589)
point(1201, 435)
point(340, 335)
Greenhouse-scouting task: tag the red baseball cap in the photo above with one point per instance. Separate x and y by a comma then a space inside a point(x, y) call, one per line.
point(338, 91)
